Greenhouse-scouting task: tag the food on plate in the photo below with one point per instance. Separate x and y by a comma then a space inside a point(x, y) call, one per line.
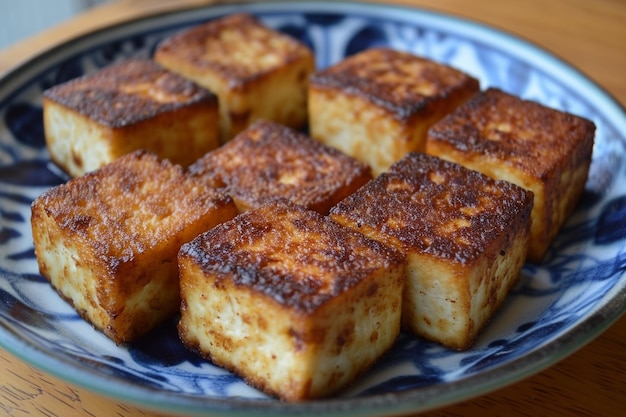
point(268, 160)
point(257, 72)
point(291, 301)
point(536, 147)
point(294, 259)
point(108, 241)
point(377, 105)
point(135, 104)
point(464, 236)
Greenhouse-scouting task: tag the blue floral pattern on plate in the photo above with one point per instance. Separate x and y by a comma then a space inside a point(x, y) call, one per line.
point(555, 308)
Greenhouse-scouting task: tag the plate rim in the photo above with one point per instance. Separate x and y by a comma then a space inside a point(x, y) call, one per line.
point(411, 400)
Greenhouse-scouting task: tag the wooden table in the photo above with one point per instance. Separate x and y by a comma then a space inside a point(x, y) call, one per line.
point(589, 34)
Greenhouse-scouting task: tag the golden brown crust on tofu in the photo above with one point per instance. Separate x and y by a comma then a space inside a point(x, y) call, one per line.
point(238, 47)
point(541, 149)
point(257, 72)
point(294, 303)
point(292, 255)
point(128, 92)
point(464, 235)
point(268, 161)
point(107, 241)
point(135, 104)
point(377, 105)
point(438, 208)
point(402, 83)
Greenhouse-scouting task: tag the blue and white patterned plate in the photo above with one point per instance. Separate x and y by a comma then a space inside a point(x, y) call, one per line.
point(556, 307)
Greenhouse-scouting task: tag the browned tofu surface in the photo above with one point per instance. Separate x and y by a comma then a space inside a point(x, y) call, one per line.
point(256, 71)
point(377, 105)
point(268, 161)
point(464, 236)
point(136, 104)
point(538, 148)
point(108, 241)
point(294, 303)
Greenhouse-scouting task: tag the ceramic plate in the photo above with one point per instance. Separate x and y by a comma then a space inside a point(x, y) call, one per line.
point(555, 308)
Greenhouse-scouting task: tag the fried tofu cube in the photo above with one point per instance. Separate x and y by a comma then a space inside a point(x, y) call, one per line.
point(268, 160)
point(292, 302)
point(544, 150)
point(257, 72)
point(136, 104)
point(108, 241)
point(464, 236)
point(377, 105)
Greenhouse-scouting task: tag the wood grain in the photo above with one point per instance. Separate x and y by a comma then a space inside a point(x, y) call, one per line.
point(590, 35)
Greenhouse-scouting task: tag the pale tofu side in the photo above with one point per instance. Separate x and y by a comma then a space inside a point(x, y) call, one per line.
point(147, 107)
point(257, 72)
point(359, 128)
point(377, 105)
point(281, 352)
point(280, 96)
point(75, 143)
point(536, 147)
point(464, 235)
point(108, 241)
point(451, 304)
point(76, 281)
point(295, 304)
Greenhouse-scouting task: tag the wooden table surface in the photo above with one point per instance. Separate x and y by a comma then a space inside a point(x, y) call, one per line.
point(589, 34)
